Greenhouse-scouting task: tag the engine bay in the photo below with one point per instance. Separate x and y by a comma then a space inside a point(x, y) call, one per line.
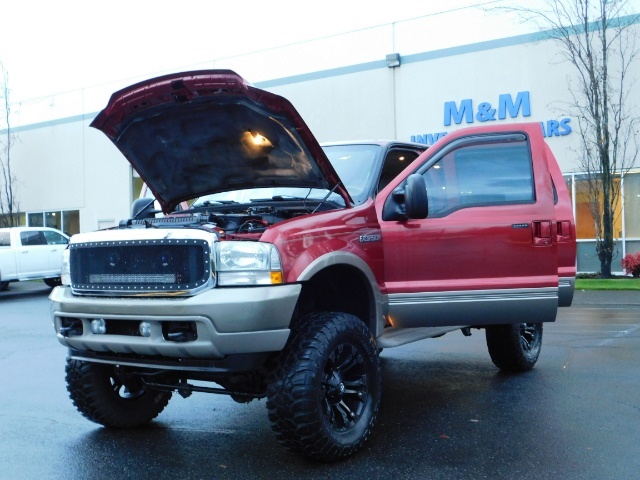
point(240, 219)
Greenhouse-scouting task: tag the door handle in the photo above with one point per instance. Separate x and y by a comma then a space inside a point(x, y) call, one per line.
point(564, 231)
point(541, 232)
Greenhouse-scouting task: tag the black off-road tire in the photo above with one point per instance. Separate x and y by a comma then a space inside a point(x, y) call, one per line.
point(514, 348)
point(324, 398)
point(99, 394)
point(4, 286)
point(52, 282)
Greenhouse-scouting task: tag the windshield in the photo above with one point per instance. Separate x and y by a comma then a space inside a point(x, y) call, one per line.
point(355, 165)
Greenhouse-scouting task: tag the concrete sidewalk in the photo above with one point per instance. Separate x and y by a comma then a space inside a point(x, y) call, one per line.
point(597, 298)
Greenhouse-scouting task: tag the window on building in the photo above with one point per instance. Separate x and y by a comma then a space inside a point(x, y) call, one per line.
point(587, 207)
point(53, 220)
point(67, 221)
point(18, 220)
point(35, 219)
point(136, 186)
point(70, 222)
point(632, 205)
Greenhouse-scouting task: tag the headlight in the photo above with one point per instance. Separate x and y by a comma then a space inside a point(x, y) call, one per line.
point(248, 263)
point(65, 274)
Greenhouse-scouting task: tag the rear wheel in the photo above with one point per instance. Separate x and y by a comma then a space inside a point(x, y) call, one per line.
point(515, 348)
point(101, 393)
point(4, 286)
point(324, 399)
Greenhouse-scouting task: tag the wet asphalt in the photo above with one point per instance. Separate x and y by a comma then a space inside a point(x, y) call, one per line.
point(447, 412)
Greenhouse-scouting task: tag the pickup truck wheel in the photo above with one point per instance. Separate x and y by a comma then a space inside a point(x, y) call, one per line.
point(99, 393)
point(324, 398)
point(514, 348)
point(4, 286)
point(52, 282)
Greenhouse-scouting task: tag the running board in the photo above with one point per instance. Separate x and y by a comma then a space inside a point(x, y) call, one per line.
point(394, 337)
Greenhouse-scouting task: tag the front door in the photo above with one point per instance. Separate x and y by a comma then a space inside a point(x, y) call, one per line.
point(485, 254)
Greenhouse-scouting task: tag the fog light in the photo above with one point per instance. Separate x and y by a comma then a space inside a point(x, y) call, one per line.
point(98, 326)
point(145, 329)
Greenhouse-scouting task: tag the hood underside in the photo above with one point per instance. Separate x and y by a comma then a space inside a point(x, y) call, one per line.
point(196, 133)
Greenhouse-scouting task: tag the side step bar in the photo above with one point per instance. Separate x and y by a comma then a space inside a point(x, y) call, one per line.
point(394, 337)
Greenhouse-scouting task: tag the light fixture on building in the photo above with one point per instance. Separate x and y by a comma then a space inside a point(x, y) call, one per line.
point(393, 60)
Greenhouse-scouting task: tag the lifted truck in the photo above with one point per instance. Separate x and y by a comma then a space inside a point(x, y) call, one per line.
point(297, 263)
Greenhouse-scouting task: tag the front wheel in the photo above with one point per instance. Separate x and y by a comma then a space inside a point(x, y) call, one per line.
point(4, 286)
point(516, 347)
point(324, 398)
point(104, 395)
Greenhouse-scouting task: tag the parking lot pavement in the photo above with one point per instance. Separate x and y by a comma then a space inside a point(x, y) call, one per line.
point(21, 289)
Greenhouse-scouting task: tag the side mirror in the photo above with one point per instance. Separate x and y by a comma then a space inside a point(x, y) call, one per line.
point(416, 201)
point(142, 208)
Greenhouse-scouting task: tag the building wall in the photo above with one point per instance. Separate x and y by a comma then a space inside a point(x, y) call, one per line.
point(67, 166)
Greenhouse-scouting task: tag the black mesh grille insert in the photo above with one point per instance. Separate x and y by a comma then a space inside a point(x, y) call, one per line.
point(140, 265)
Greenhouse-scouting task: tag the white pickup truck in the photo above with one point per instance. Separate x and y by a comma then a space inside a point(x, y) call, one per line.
point(31, 253)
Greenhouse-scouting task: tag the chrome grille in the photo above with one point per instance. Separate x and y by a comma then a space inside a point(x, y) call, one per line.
point(137, 266)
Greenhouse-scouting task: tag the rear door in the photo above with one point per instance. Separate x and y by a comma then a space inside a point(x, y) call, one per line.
point(486, 253)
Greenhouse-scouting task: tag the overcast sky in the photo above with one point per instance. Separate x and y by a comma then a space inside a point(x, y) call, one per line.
point(49, 47)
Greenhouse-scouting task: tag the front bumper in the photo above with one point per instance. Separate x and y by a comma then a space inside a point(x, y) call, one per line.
point(228, 321)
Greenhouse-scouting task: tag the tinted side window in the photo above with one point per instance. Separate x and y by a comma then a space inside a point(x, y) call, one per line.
point(480, 174)
point(54, 238)
point(33, 237)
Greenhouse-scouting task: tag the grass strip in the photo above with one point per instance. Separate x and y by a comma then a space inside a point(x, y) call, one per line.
point(608, 284)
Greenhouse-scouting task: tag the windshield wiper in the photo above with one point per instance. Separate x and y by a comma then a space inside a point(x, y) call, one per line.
point(277, 198)
point(208, 203)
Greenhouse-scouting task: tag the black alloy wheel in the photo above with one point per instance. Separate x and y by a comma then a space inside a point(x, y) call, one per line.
point(324, 397)
point(515, 347)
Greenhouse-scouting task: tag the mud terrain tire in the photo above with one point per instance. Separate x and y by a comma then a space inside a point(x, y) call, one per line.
point(99, 394)
point(324, 398)
point(515, 348)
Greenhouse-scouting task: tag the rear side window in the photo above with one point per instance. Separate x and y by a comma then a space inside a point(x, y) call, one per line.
point(479, 174)
point(33, 237)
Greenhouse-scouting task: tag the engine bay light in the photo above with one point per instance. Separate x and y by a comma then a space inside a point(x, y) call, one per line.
point(145, 329)
point(98, 326)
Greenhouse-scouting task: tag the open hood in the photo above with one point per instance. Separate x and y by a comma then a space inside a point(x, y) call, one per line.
point(195, 133)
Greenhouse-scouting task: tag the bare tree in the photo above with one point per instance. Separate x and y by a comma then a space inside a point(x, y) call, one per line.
point(599, 39)
point(8, 205)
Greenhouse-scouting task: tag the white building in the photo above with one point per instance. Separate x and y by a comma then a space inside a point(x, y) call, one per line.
point(71, 177)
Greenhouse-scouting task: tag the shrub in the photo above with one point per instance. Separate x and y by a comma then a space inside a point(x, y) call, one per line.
point(631, 264)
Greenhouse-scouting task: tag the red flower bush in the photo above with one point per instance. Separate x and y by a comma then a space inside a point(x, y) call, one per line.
point(631, 264)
